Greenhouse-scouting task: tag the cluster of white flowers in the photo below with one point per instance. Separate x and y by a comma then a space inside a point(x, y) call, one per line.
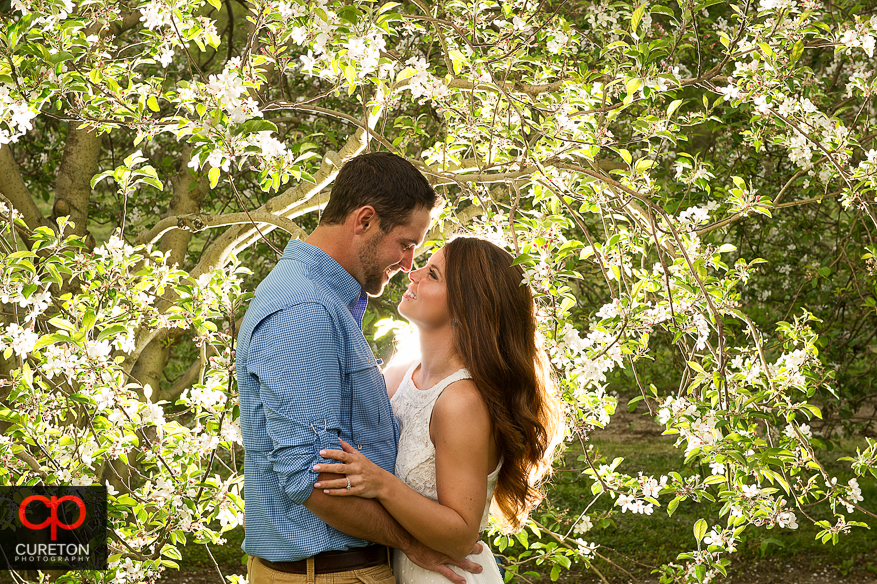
point(861, 37)
point(674, 407)
point(651, 486)
point(15, 115)
point(688, 173)
point(854, 495)
point(602, 17)
point(717, 468)
point(585, 548)
point(697, 215)
point(787, 519)
point(366, 52)
point(517, 24)
point(231, 431)
point(115, 249)
point(750, 367)
point(610, 310)
point(152, 414)
point(155, 15)
point(269, 146)
point(423, 83)
point(703, 330)
point(751, 491)
point(290, 10)
point(586, 369)
point(721, 537)
point(37, 301)
point(695, 428)
point(584, 525)
point(124, 412)
point(8, 212)
point(208, 396)
point(228, 88)
point(787, 370)
point(229, 517)
point(634, 505)
point(58, 359)
point(701, 432)
point(804, 429)
point(657, 313)
point(777, 5)
point(557, 42)
point(22, 340)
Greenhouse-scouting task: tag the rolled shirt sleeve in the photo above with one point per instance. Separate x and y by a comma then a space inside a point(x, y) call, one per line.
point(299, 377)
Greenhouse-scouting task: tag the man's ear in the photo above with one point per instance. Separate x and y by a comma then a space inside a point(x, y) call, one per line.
point(365, 220)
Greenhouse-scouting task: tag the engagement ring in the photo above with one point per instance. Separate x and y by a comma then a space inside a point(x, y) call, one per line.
point(349, 486)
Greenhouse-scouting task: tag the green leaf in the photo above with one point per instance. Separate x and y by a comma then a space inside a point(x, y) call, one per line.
point(637, 17)
point(797, 51)
point(700, 529)
point(51, 339)
point(88, 320)
point(633, 84)
point(111, 331)
point(674, 105)
point(253, 126)
point(152, 103)
point(213, 175)
point(62, 324)
point(153, 182)
point(218, 6)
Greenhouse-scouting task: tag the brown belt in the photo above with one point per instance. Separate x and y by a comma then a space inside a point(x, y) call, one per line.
point(335, 561)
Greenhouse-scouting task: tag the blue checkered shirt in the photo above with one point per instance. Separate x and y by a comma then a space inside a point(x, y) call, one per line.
point(306, 377)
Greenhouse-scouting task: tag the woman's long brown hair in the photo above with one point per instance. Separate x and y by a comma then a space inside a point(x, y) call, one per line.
point(495, 334)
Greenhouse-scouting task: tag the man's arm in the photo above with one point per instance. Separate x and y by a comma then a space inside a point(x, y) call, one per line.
point(294, 355)
point(367, 519)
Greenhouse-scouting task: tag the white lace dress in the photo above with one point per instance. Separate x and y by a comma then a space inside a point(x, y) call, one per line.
point(415, 465)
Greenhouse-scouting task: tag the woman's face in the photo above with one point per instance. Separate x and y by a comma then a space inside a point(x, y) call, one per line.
point(425, 303)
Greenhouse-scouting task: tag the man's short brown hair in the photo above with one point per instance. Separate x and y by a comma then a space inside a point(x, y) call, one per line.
point(387, 182)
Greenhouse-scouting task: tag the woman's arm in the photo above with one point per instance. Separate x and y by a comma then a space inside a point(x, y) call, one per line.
point(461, 431)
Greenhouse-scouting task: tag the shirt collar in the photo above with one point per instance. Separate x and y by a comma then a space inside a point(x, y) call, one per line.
point(331, 274)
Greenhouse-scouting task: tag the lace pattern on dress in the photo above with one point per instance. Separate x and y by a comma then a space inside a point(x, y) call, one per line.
point(415, 461)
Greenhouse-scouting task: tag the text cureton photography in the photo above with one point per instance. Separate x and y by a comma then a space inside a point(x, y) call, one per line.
point(53, 528)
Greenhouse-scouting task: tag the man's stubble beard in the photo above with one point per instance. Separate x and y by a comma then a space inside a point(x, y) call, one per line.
point(373, 274)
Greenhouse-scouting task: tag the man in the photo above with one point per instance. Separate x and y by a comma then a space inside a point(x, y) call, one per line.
point(307, 377)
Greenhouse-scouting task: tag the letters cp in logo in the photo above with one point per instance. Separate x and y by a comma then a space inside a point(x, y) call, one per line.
point(52, 521)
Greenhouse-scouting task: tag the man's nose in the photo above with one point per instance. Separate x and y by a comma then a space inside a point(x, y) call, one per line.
point(407, 261)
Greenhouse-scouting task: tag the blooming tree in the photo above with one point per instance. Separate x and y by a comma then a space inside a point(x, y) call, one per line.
point(690, 187)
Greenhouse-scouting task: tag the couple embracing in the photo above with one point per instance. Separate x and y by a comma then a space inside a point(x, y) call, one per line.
point(354, 474)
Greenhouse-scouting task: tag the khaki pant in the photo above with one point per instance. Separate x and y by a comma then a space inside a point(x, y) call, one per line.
point(259, 573)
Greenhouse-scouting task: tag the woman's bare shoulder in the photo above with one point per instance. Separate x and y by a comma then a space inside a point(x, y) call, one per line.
point(461, 401)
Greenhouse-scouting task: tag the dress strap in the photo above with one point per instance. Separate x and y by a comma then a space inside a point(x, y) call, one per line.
point(456, 376)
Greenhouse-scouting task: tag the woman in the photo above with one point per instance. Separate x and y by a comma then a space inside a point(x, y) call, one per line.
point(477, 410)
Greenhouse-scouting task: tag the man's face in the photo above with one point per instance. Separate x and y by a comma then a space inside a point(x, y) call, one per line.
point(384, 254)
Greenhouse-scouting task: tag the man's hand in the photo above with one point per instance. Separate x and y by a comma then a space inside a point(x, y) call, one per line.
point(434, 561)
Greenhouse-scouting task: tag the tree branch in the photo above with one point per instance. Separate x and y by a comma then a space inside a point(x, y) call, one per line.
point(73, 185)
point(13, 187)
point(194, 222)
point(186, 201)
